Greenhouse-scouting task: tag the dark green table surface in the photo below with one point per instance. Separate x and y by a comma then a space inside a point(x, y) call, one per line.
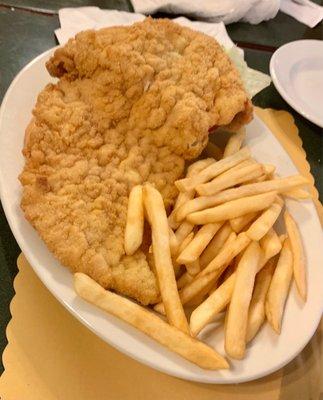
point(27, 29)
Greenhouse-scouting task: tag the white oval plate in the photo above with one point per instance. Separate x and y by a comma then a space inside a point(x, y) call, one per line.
point(267, 353)
point(297, 73)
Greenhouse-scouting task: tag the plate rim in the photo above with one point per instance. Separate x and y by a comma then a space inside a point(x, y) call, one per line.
point(280, 88)
point(10, 218)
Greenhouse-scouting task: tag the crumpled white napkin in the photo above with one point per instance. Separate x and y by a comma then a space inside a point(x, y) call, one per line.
point(228, 11)
point(74, 20)
point(304, 11)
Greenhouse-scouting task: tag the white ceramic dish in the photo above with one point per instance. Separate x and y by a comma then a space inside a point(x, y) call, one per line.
point(266, 354)
point(297, 73)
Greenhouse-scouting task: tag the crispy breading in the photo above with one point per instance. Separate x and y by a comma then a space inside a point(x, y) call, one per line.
point(131, 105)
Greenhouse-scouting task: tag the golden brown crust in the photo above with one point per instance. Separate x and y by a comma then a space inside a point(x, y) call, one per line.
point(177, 82)
point(131, 104)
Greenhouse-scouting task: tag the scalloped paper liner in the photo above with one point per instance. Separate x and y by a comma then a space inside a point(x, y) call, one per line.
point(282, 125)
point(51, 356)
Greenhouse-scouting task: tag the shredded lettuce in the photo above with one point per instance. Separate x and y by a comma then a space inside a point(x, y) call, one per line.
point(254, 81)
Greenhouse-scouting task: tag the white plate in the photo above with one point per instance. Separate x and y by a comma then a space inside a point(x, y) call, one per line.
point(266, 354)
point(297, 72)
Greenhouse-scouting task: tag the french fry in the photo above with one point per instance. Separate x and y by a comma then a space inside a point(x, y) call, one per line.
point(213, 170)
point(200, 284)
point(298, 194)
point(183, 197)
point(279, 287)
point(148, 323)
point(151, 263)
point(193, 289)
point(135, 221)
point(234, 143)
point(213, 287)
point(220, 300)
point(196, 301)
point(270, 244)
point(183, 231)
point(215, 245)
point(159, 307)
point(200, 297)
point(156, 213)
point(268, 174)
point(282, 238)
point(269, 169)
point(173, 242)
point(173, 224)
point(212, 150)
point(184, 280)
point(262, 261)
point(233, 209)
point(261, 178)
point(197, 286)
point(256, 315)
point(230, 270)
point(245, 163)
point(280, 185)
point(232, 247)
point(237, 317)
point(198, 166)
point(262, 224)
point(298, 255)
point(213, 305)
point(193, 267)
point(230, 178)
point(237, 224)
point(186, 242)
point(201, 239)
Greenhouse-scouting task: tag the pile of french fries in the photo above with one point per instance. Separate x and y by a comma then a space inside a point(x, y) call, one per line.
point(217, 253)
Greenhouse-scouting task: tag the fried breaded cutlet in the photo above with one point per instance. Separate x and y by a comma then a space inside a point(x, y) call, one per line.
point(130, 106)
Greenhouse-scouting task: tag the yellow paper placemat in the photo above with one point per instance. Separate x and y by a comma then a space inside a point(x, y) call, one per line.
point(51, 356)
